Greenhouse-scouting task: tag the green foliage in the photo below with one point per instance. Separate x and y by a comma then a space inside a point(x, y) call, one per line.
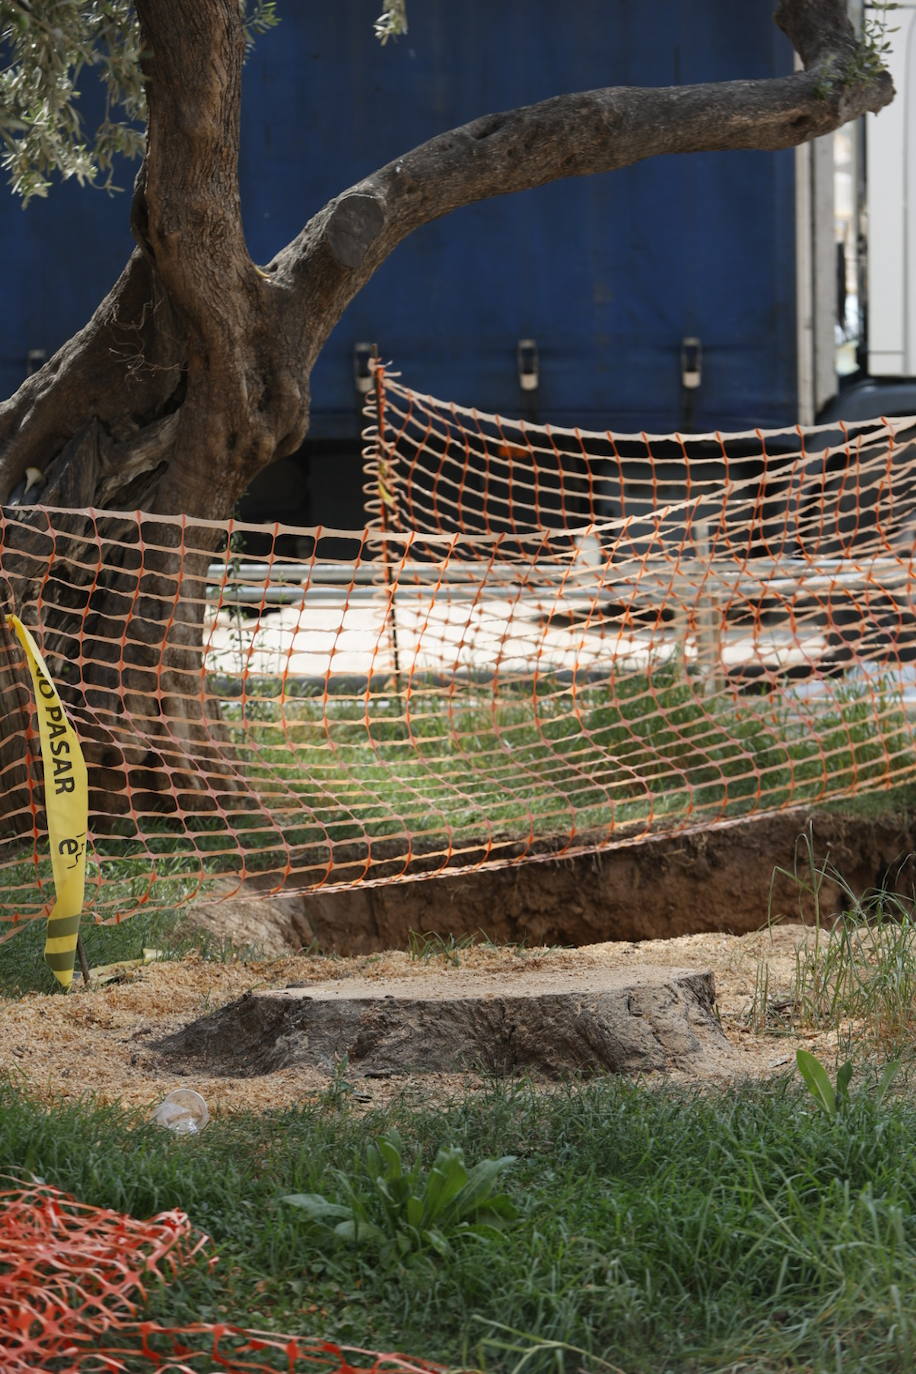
point(392, 22)
point(831, 1100)
point(863, 970)
point(401, 1213)
point(876, 35)
point(868, 58)
point(835, 1100)
point(341, 1091)
point(857, 973)
point(423, 945)
point(48, 47)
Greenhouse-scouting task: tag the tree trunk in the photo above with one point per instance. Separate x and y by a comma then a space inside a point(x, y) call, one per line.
point(118, 600)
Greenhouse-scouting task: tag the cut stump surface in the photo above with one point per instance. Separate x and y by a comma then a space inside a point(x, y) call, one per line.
point(549, 1023)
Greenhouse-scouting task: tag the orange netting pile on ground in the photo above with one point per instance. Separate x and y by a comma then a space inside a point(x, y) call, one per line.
point(73, 1279)
point(546, 642)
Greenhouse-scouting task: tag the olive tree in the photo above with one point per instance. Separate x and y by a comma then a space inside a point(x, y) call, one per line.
point(193, 373)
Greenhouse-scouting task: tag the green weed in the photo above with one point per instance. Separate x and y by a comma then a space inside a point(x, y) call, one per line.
point(397, 1212)
point(427, 944)
point(857, 972)
point(834, 1099)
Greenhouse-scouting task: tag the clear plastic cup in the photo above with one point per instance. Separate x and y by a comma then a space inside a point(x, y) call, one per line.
point(183, 1111)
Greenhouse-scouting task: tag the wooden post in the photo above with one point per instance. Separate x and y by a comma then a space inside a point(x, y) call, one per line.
point(709, 617)
point(84, 962)
point(385, 496)
point(680, 631)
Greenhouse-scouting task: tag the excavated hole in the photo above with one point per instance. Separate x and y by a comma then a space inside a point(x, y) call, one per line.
point(735, 879)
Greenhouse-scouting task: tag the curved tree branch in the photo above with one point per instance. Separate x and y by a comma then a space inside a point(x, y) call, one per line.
point(580, 135)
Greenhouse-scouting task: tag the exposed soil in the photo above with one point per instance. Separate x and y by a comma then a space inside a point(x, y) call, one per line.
point(718, 879)
point(102, 1040)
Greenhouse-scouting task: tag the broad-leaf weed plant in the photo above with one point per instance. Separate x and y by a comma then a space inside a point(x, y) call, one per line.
point(401, 1213)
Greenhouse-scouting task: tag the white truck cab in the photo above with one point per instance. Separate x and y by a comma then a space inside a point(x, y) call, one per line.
point(884, 183)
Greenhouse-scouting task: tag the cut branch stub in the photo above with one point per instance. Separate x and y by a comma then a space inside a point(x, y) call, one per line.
point(354, 224)
point(550, 1023)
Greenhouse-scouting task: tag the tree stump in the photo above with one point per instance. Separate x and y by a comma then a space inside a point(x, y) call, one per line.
point(550, 1023)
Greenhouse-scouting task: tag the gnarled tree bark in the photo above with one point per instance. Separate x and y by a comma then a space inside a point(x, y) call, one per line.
point(192, 376)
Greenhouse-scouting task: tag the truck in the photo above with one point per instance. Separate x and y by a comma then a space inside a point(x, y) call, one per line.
point(691, 293)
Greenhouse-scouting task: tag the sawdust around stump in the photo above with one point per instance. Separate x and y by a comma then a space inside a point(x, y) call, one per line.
point(98, 1041)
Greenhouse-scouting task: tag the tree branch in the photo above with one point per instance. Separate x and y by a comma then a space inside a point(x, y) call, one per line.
point(819, 30)
point(580, 135)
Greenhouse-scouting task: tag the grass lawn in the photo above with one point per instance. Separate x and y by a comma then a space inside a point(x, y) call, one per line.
point(534, 758)
point(657, 1229)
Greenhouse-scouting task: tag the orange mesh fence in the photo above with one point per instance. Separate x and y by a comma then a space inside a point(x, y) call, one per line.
point(546, 642)
point(72, 1282)
point(70, 1272)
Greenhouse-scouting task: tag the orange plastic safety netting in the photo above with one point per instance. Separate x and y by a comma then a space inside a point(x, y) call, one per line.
point(73, 1279)
point(546, 641)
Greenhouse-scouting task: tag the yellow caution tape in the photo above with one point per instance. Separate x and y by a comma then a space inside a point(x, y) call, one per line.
point(66, 807)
